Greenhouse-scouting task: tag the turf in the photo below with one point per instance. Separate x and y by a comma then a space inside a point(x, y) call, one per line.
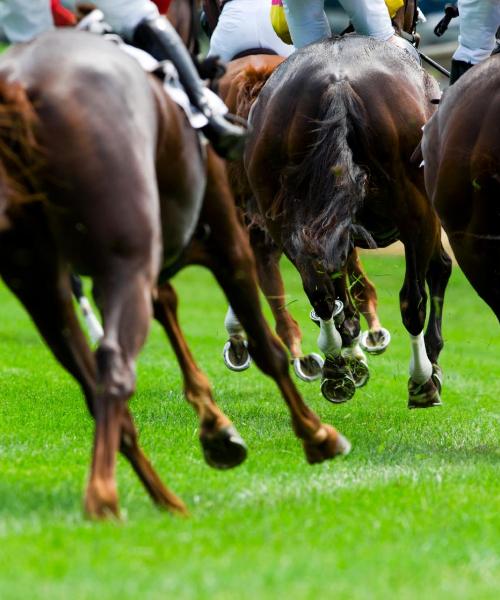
point(413, 512)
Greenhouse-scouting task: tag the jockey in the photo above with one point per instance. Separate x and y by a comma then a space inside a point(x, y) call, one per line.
point(138, 21)
point(308, 22)
point(479, 21)
point(245, 25)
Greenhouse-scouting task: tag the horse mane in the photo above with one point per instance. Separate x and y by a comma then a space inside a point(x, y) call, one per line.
point(20, 154)
point(250, 82)
point(322, 193)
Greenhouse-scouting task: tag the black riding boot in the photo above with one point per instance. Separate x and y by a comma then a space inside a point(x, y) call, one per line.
point(159, 38)
point(458, 68)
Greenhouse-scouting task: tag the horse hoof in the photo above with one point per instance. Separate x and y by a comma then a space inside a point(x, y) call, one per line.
point(375, 342)
point(334, 444)
point(360, 372)
point(235, 353)
point(308, 368)
point(338, 391)
point(423, 395)
point(338, 384)
point(224, 450)
point(100, 503)
point(337, 315)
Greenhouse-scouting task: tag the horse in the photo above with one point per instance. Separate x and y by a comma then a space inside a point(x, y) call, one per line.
point(329, 163)
point(239, 88)
point(102, 175)
point(461, 151)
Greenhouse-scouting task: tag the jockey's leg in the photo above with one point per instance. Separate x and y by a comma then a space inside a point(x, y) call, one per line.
point(307, 21)
point(22, 20)
point(140, 21)
point(369, 17)
point(479, 20)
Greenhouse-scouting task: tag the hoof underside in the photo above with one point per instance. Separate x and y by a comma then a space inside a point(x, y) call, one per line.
point(338, 384)
point(309, 367)
point(224, 450)
point(235, 353)
point(375, 342)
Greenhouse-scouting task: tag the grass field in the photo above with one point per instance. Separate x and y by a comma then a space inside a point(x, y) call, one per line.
point(413, 512)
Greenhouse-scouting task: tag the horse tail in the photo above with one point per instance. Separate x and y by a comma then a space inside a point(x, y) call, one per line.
point(20, 155)
point(250, 82)
point(324, 191)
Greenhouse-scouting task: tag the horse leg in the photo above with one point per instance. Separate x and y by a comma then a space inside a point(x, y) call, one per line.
point(438, 274)
point(222, 445)
point(235, 352)
point(349, 329)
point(330, 303)
point(267, 255)
point(231, 260)
point(377, 338)
point(123, 290)
point(31, 269)
point(423, 385)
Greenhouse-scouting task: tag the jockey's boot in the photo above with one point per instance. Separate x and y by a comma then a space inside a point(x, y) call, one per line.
point(159, 38)
point(458, 68)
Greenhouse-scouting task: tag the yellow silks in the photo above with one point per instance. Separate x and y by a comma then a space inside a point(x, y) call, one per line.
point(393, 6)
point(278, 20)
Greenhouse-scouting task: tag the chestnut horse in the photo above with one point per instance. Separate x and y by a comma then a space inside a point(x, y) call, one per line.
point(461, 150)
point(239, 88)
point(102, 175)
point(329, 163)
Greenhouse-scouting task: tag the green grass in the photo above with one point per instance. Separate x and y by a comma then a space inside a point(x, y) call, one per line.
point(413, 512)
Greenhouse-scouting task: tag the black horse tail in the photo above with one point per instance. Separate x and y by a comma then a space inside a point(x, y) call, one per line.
point(327, 188)
point(20, 154)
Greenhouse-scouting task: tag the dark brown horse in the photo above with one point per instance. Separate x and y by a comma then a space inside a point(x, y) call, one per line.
point(102, 174)
point(461, 149)
point(329, 163)
point(239, 88)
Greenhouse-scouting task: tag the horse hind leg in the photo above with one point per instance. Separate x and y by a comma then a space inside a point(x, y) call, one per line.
point(423, 384)
point(222, 445)
point(124, 293)
point(437, 276)
point(267, 255)
point(377, 338)
point(350, 331)
point(235, 351)
point(31, 268)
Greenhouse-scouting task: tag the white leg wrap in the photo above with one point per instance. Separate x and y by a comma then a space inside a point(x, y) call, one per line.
point(356, 351)
point(231, 323)
point(329, 340)
point(420, 365)
point(94, 327)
